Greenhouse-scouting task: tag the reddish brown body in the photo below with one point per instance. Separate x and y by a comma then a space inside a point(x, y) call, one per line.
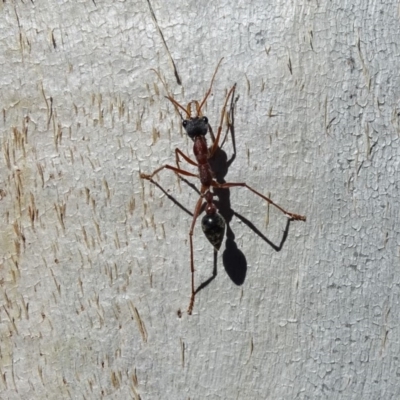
point(200, 151)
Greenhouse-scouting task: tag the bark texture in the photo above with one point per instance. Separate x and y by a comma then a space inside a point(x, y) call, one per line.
point(94, 265)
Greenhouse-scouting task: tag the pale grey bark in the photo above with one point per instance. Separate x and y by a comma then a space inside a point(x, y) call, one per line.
point(95, 262)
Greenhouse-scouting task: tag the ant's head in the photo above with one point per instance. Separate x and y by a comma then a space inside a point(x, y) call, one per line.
point(196, 126)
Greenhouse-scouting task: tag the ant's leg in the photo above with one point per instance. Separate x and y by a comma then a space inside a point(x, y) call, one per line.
point(211, 133)
point(184, 156)
point(215, 144)
point(231, 125)
point(195, 215)
point(209, 89)
point(288, 214)
point(178, 171)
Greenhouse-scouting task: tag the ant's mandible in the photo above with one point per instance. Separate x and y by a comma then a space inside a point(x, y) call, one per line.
point(196, 127)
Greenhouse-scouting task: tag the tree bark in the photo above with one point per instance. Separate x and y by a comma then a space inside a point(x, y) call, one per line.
point(95, 267)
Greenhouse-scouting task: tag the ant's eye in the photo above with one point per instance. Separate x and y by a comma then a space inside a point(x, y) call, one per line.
point(184, 123)
point(205, 119)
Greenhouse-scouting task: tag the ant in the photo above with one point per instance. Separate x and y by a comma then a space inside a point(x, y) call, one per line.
point(196, 127)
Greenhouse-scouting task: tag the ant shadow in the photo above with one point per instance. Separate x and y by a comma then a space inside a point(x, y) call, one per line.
point(234, 260)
